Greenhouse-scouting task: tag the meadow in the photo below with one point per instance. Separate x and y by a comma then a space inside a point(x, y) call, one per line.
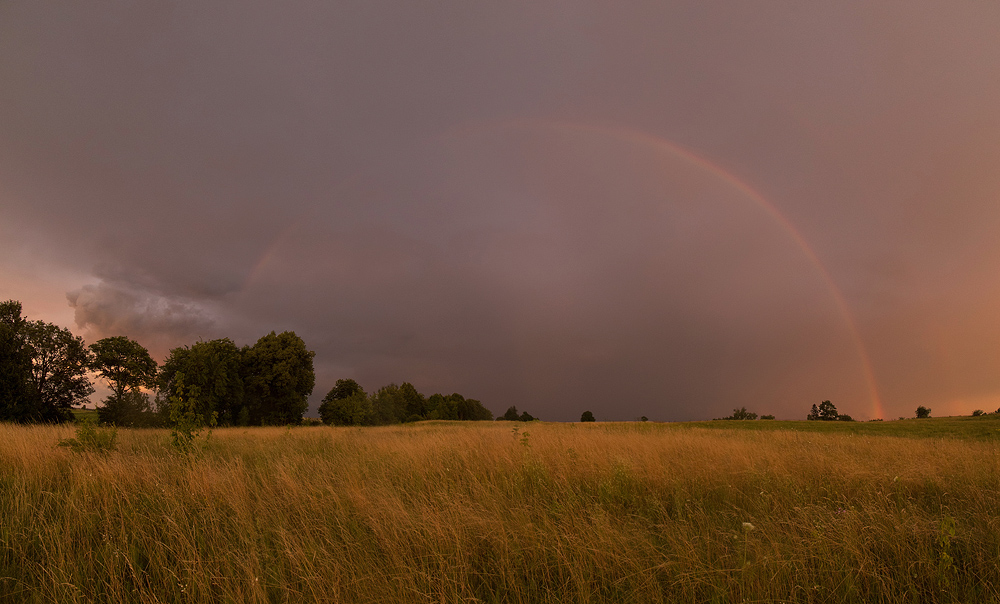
point(508, 512)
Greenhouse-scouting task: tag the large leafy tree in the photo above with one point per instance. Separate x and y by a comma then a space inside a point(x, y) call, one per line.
point(414, 403)
point(278, 380)
point(388, 405)
point(128, 368)
point(347, 405)
point(214, 370)
point(59, 364)
point(18, 400)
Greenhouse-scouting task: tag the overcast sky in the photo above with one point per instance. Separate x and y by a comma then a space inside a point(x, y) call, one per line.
point(655, 208)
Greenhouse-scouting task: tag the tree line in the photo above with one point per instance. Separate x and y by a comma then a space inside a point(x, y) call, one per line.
point(347, 404)
point(44, 373)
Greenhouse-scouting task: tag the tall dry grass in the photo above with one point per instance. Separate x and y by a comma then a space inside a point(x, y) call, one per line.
point(487, 513)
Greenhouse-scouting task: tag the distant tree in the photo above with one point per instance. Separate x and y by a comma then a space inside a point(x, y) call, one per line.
point(843, 417)
point(19, 402)
point(123, 363)
point(643, 419)
point(59, 365)
point(742, 413)
point(345, 388)
point(354, 409)
point(587, 416)
point(813, 414)
point(127, 368)
point(388, 405)
point(212, 379)
point(526, 417)
point(767, 417)
point(923, 412)
point(414, 403)
point(511, 414)
point(470, 409)
point(828, 411)
point(441, 407)
point(129, 409)
point(278, 379)
point(978, 412)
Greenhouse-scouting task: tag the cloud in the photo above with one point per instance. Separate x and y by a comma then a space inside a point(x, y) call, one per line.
point(108, 309)
point(337, 169)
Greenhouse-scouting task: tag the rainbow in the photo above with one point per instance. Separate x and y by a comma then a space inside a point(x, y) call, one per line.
point(665, 146)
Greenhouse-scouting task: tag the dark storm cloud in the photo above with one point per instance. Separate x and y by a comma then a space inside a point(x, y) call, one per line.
point(387, 179)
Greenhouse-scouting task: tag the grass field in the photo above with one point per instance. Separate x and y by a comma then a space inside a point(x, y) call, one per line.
point(498, 512)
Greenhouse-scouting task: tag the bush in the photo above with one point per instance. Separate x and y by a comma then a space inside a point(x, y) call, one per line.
point(91, 438)
point(978, 412)
point(769, 416)
point(923, 412)
point(587, 417)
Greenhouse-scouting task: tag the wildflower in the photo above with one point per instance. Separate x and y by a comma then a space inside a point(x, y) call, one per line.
point(747, 527)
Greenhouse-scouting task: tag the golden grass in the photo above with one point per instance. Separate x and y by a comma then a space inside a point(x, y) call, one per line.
point(449, 512)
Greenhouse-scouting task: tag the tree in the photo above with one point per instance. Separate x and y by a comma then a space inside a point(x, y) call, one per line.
point(827, 411)
point(214, 370)
point(59, 364)
point(587, 416)
point(127, 367)
point(19, 402)
point(742, 413)
point(131, 408)
point(923, 412)
point(469, 409)
point(388, 405)
point(124, 364)
point(526, 417)
point(346, 405)
point(278, 379)
point(511, 414)
point(344, 389)
point(414, 403)
point(442, 407)
point(813, 414)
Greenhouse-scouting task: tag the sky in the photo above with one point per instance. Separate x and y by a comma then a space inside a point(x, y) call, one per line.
point(653, 208)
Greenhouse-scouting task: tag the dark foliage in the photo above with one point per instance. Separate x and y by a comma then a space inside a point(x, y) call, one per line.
point(826, 411)
point(278, 379)
point(587, 416)
point(741, 414)
point(511, 414)
point(19, 402)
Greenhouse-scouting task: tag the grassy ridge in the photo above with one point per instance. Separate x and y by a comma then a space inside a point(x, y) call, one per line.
point(485, 512)
point(986, 427)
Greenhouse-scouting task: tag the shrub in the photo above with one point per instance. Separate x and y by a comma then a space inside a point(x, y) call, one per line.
point(91, 438)
point(978, 412)
point(587, 417)
point(768, 416)
point(923, 412)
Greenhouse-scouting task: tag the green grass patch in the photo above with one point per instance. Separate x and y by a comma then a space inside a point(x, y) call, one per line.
point(985, 427)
